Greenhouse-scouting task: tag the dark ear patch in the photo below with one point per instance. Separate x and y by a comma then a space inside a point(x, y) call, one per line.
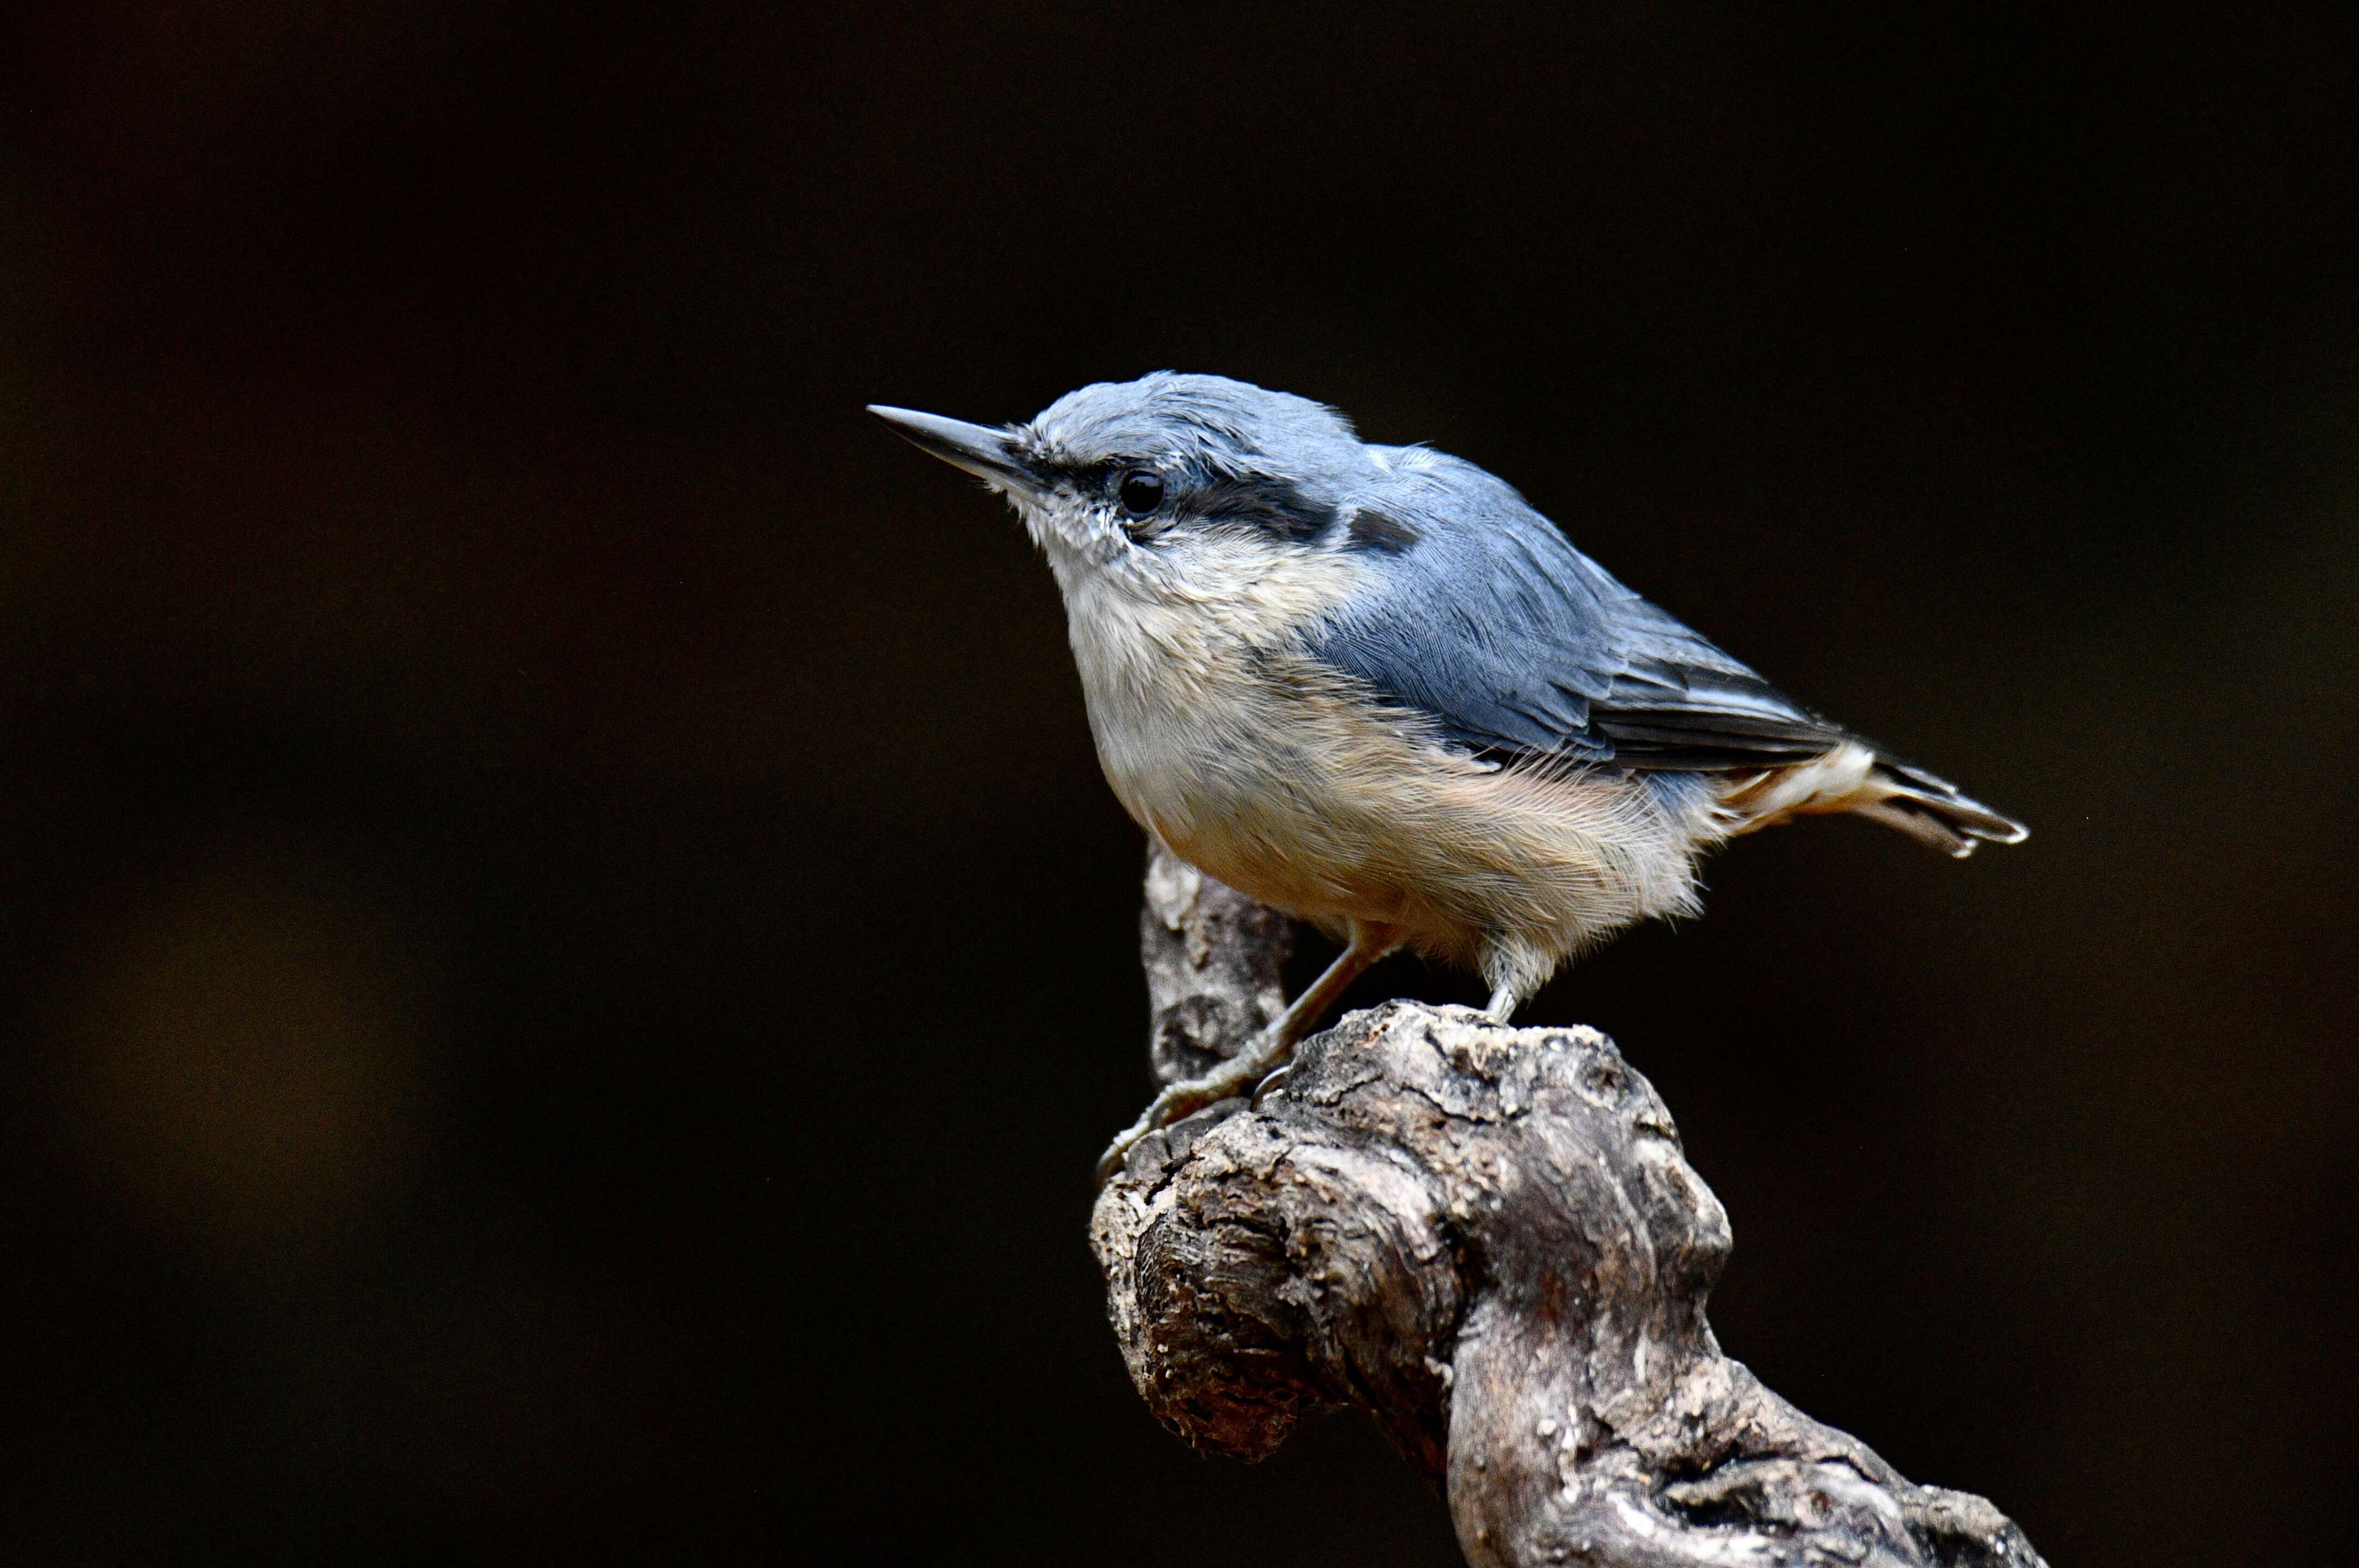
point(1373, 530)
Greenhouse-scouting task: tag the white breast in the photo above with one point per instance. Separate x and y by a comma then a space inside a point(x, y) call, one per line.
point(1171, 697)
point(1177, 672)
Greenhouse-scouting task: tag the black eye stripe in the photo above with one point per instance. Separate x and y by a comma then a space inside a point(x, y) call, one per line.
point(1262, 501)
point(1273, 506)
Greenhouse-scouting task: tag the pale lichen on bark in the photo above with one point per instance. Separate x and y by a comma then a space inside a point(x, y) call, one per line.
point(1212, 957)
point(1489, 1239)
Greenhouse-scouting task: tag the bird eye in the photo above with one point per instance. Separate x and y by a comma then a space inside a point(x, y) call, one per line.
point(1141, 491)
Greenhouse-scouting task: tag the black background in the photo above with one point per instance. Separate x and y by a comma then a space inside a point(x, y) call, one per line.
point(566, 956)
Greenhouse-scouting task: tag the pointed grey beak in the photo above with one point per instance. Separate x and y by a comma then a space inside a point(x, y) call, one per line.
point(978, 449)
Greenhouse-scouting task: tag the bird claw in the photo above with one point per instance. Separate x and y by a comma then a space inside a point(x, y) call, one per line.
point(1252, 1065)
point(1119, 1150)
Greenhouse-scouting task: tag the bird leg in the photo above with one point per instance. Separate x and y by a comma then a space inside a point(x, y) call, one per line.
point(1260, 1055)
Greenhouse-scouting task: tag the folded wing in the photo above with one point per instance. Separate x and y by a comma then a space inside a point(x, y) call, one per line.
point(1514, 644)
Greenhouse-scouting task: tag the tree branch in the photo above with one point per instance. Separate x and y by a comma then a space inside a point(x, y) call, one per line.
point(1489, 1239)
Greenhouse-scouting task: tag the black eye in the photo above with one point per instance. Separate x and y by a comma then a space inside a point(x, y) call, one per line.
point(1141, 491)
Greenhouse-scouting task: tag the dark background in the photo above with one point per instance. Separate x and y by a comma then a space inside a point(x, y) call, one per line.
point(566, 957)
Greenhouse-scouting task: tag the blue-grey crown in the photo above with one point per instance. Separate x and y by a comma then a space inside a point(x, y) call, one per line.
point(1230, 426)
point(1232, 454)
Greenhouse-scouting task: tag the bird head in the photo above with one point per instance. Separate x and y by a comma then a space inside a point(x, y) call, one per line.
point(1176, 490)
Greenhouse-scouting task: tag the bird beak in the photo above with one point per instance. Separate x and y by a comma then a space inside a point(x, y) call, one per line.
point(978, 449)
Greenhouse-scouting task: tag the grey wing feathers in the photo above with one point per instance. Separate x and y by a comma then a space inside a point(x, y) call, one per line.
point(1693, 708)
point(1514, 642)
point(1681, 704)
point(1504, 656)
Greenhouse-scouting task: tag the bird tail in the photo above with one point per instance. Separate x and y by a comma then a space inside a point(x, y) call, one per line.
point(1856, 778)
point(1932, 810)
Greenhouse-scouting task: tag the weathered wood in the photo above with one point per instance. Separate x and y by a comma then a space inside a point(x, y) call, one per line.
point(1212, 957)
point(1489, 1239)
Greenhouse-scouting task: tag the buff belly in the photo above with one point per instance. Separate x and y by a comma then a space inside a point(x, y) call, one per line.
point(1351, 821)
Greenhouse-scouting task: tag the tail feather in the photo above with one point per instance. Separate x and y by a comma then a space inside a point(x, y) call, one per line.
point(1931, 809)
point(1856, 778)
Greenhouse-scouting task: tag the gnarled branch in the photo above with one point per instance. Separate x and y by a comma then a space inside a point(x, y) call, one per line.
point(1488, 1238)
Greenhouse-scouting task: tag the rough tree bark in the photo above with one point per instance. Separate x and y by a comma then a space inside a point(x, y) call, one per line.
point(1488, 1238)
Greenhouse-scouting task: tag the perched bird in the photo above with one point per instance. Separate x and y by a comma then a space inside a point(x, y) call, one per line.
point(1371, 686)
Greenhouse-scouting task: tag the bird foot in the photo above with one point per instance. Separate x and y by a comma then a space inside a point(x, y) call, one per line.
point(1249, 1067)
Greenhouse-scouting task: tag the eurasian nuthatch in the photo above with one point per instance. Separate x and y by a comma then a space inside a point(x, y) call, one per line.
point(1371, 686)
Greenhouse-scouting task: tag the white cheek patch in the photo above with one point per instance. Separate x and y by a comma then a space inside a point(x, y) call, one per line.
point(1266, 589)
point(1170, 611)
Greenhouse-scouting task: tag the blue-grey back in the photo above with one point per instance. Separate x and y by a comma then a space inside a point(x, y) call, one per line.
point(1483, 617)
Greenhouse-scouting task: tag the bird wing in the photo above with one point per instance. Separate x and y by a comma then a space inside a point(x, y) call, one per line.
point(1678, 703)
point(1493, 626)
